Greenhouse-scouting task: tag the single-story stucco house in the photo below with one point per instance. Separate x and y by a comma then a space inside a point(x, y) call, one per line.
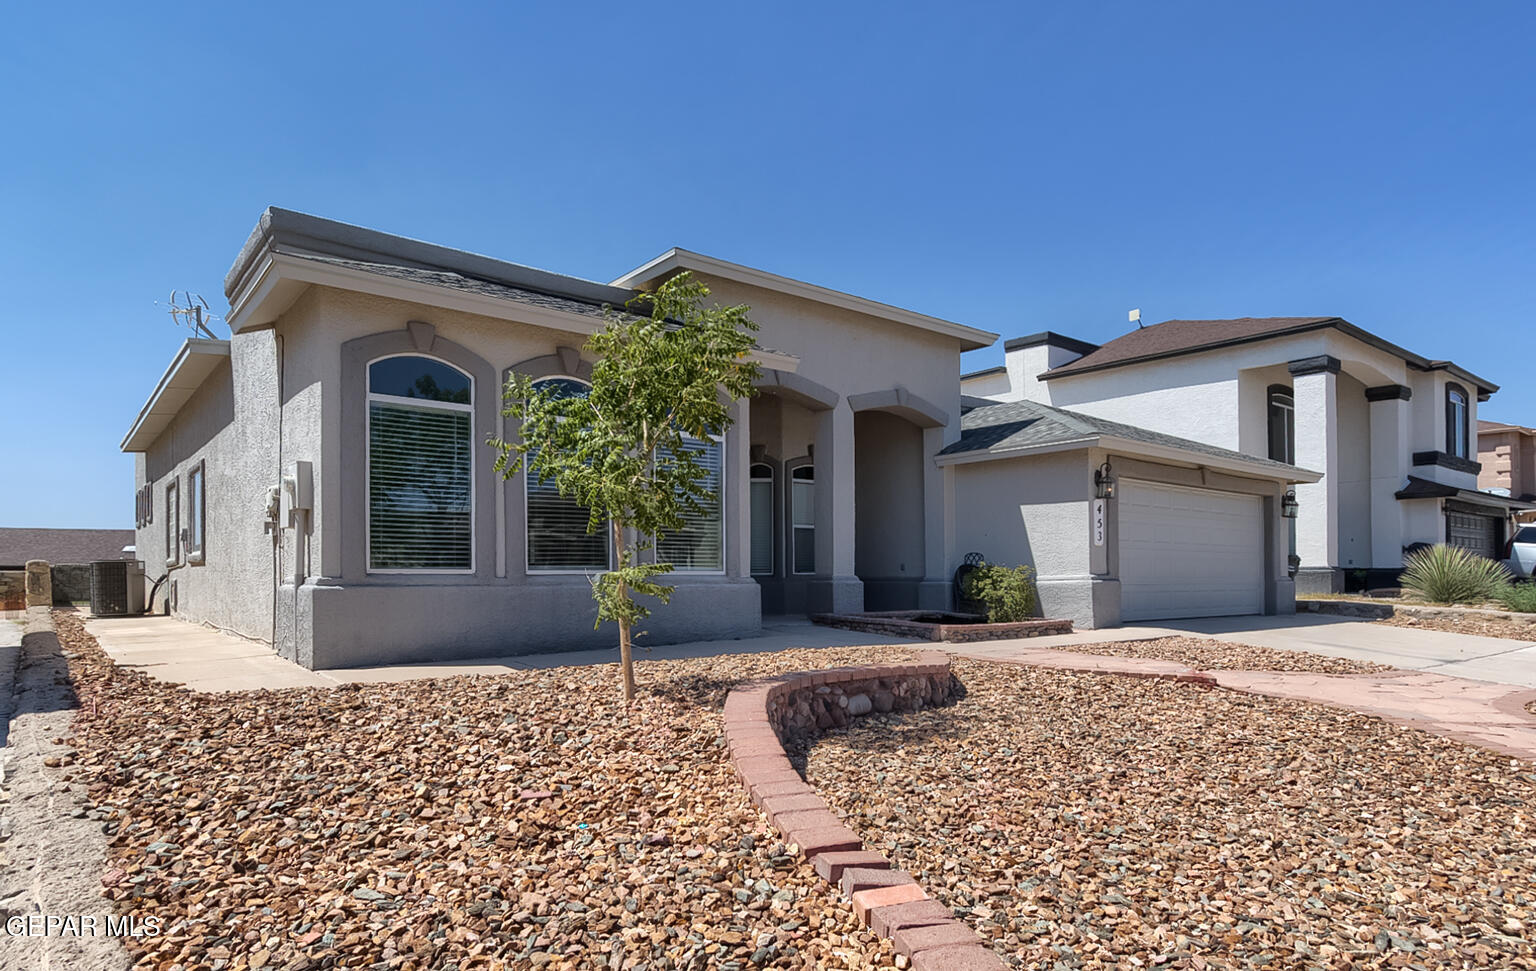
point(320, 480)
point(299, 485)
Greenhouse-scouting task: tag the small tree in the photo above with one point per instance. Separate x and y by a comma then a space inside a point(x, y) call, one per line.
point(620, 451)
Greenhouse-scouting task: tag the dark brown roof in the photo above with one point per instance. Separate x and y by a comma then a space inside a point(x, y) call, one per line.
point(1175, 337)
point(17, 546)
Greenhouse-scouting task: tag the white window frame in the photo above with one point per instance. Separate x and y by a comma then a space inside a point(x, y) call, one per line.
point(1287, 407)
point(173, 522)
point(772, 480)
point(789, 518)
point(536, 571)
point(1458, 439)
point(693, 571)
point(371, 397)
point(197, 513)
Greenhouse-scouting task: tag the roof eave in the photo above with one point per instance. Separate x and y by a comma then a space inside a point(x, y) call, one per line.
point(675, 259)
point(193, 363)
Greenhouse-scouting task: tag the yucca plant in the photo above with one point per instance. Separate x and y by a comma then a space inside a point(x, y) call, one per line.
point(1449, 574)
point(1519, 597)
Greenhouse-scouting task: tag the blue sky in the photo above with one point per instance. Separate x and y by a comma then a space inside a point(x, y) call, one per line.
point(1017, 167)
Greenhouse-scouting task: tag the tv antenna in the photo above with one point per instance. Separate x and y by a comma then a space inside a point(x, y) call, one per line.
point(1135, 317)
point(191, 311)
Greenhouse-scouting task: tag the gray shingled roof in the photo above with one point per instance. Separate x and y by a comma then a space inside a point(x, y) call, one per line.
point(1028, 424)
point(71, 546)
point(458, 281)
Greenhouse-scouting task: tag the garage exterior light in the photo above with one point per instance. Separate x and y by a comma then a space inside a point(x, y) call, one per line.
point(1289, 505)
point(1103, 482)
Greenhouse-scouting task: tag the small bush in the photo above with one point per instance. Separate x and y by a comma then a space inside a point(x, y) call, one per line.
point(1009, 593)
point(1519, 597)
point(1449, 574)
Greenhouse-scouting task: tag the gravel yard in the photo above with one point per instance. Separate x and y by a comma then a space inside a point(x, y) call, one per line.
point(509, 822)
point(1100, 821)
point(1205, 654)
point(1483, 626)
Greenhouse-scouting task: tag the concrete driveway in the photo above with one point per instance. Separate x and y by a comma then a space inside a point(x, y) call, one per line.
point(1499, 659)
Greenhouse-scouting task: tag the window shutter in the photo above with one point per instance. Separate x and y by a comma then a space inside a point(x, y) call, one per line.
point(419, 488)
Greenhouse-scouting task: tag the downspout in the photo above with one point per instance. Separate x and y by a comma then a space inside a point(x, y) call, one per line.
point(277, 526)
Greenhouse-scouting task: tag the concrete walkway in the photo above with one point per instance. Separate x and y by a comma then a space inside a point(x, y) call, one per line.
point(1500, 659)
point(205, 659)
point(1480, 712)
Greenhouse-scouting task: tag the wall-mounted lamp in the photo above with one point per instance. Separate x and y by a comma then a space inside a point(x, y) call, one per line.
point(1103, 482)
point(1289, 505)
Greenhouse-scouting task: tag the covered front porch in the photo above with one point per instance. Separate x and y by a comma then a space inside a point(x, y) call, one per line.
point(846, 509)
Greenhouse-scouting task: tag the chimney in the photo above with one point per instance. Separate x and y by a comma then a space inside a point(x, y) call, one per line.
point(1029, 357)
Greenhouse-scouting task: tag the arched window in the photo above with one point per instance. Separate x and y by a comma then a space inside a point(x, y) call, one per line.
point(420, 480)
point(1457, 433)
point(761, 487)
point(802, 519)
point(1282, 424)
point(558, 541)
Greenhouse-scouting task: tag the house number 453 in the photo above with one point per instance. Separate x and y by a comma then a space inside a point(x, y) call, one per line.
point(1098, 522)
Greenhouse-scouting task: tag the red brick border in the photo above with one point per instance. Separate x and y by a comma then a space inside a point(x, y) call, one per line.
point(889, 901)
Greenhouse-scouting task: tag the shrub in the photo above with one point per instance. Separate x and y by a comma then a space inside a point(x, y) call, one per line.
point(1009, 593)
point(1449, 574)
point(1519, 597)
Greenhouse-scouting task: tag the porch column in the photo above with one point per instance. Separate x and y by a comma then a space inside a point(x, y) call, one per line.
point(1391, 452)
point(1314, 386)
point(934, 592)
point(737, 496)
point(836, 588)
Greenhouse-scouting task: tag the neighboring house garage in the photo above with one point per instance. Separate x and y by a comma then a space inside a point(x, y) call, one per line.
point(1121, 523)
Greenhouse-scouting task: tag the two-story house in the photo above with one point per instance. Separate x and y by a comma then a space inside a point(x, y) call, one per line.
point(1391, 431)
point(1508, 456)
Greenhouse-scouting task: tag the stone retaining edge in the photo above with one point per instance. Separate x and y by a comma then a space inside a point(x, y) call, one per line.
point(887, 900)
point(1382, 611)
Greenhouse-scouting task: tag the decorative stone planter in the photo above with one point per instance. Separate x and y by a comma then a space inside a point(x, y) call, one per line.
point(941, 625)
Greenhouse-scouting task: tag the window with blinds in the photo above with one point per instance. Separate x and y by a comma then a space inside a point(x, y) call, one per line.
point(700, 545)
point(558, 541)
point(420, 468)
point(802, 518)
point(761, 487)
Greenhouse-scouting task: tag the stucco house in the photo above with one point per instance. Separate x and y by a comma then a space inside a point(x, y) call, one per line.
point(320, 481)
point(1121, 523)
point(1390, 431)
point(1507, 454)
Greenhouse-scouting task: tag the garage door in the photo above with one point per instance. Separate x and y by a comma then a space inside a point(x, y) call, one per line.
point(1189, 552)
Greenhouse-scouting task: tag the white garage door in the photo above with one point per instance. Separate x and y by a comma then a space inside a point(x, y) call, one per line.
point(1189, 552)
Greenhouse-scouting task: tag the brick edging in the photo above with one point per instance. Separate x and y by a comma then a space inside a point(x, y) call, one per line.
point(887, 900)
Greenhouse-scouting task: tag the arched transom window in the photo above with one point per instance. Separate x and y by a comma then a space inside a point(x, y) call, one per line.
point(420, 468)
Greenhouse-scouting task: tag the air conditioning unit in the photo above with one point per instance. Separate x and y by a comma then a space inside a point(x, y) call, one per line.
point(117, 588)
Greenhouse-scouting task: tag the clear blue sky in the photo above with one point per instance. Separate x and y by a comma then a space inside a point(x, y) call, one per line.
point(1017, 167)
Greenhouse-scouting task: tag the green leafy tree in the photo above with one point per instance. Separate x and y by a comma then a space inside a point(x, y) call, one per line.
point(620, 451)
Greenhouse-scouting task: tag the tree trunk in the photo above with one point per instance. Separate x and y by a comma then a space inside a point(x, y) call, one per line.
point(626, 656)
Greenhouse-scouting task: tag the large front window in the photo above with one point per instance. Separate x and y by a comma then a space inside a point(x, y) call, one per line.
point(1456, 430)
point(558, 541)
point(699, 546)
point(420, 470)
